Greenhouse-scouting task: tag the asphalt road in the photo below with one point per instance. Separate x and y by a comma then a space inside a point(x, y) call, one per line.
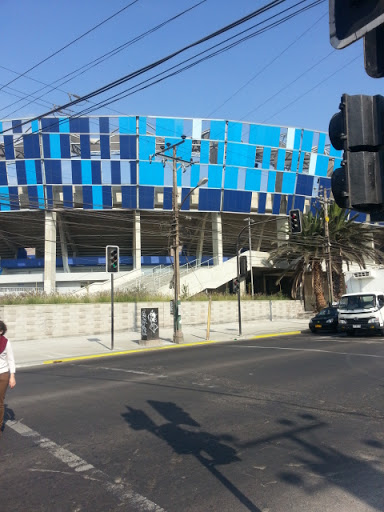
point(282, 424)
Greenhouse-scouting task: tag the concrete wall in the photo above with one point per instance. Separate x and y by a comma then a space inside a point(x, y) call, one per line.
point(55, 320)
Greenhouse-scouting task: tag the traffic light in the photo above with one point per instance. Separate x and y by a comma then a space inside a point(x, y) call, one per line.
point(295, 221)
point(112, 258)
point(235, 285)
point(358, 130)
point(243, 266)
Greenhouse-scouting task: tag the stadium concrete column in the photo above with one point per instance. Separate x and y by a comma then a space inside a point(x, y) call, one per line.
point(217, 239)
point(136, 241)
point(200, 243)
point(50, 252)
point(282, 229)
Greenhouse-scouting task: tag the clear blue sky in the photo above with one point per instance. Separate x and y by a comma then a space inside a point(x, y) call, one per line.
point(30, 31)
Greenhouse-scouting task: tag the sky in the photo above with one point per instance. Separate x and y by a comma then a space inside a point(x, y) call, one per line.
point(289, 76)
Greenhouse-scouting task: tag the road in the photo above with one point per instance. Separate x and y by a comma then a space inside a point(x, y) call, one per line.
point(292, 423)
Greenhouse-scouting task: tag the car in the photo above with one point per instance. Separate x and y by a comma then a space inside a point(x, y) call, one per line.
point(325, 320)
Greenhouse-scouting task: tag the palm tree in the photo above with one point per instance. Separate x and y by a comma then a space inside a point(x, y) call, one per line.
point(351, 242)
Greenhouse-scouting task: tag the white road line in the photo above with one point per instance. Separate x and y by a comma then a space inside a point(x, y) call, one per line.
point(120, 491)
point(123, 370)
point(310, 350)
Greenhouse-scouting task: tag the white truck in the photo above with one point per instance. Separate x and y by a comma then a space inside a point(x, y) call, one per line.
point(361, 310)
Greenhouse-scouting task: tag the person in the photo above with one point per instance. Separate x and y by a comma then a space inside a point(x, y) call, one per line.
point(7, 369)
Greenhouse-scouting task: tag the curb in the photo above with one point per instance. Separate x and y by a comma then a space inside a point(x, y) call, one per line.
point(163, 347)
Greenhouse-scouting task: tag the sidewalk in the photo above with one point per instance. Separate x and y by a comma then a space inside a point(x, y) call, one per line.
point(31, 353)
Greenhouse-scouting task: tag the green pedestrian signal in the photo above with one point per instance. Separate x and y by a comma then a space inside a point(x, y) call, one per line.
point(112, 258)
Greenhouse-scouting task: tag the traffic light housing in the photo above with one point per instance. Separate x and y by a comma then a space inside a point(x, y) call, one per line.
point(295, 221)
point(235, 285)
point(243, 266)
point(358, 130)
point(112, 258)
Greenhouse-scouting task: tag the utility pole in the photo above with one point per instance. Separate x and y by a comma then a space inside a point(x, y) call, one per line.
point(250, 254)
point(177, 331)
point(328, 248)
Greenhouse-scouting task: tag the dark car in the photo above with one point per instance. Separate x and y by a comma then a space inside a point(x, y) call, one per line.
point(325, 320)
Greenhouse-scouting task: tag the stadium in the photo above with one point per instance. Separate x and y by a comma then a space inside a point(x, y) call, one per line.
point(71, 186)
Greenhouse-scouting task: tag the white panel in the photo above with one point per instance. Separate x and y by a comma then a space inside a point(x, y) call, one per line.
point(290, 138)
point(196, 128)
point(312, 163)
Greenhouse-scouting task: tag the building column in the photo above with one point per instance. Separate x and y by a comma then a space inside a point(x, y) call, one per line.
point(200, 243)
point(217, 239)
point(136, 245)
point(282, 228)
point(63, 245)
point(50, 252)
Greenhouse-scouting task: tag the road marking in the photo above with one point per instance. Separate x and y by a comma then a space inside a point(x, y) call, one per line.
point(136, 372)
point(120, 491)
point(311, 350)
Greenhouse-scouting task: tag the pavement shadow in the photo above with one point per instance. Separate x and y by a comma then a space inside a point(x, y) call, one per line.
point(357, 476)
point(209, 450)
point(98, 341)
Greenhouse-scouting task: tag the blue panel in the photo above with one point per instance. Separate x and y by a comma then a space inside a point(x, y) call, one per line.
point(64, 125)
point(67, 196)
point(217, 131)
point(76, 172)
point(54, 142)
point(262, 202)
point(230, 180)
point(322, 162)
point(179, 177)
point(142, 125)
point(276, 204)
point(264, 135)
point(271, 181)
point(87, 198)
point(167, 201)
point(295, 160)
point(86, 172)
point(215, 176)
point(304, 185)
point(107, 197)
point(253, 179)
point(296, 143)
point(4, 199)
point(40, 195)
point(20, 172)
point(241, 155)
point(31, 146)
point(85, 146)
point(169, 127)
point(8, 147)
point(128, 197)
point(46, 146)
point(236, 201)
point(325, 184)
point(147, 147)
point(3, 174)
point(53, 172)
point(35, 126)
point(104, 147)
point(289, 180)
point(280, 166)
point(16, 126)
point(97, 196)
point(96, 172)
point(49, 125)
point(104, 124)
point(151, 174)
point(266, 158)
point(185, 150)
point(127, 125)
point(234, 131)
point(195, 175)
point(299, 202)
point(39, 174)
point(133, 167)
point(14, 198)
point(322, 139)
point(337, 163)
point(49, 192)
point(204, 152)
point(65, 146)
point(335, 152)
point(79, 125)
point(301, 163)
point(115, 173)
point(209, 199)
point(184, 194)
point(33, 197)
point(128, 147)
point(306, 145)
point(220, 153)
point(146, 197)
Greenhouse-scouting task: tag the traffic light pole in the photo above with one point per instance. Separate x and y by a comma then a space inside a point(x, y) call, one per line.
point(112, 315)
point(328, 248)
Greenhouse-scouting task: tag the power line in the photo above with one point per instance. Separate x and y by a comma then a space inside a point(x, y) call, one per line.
point(86, 67)
point(70, 43)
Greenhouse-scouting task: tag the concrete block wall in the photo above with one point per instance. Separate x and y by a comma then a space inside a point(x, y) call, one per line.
point(41, 321)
